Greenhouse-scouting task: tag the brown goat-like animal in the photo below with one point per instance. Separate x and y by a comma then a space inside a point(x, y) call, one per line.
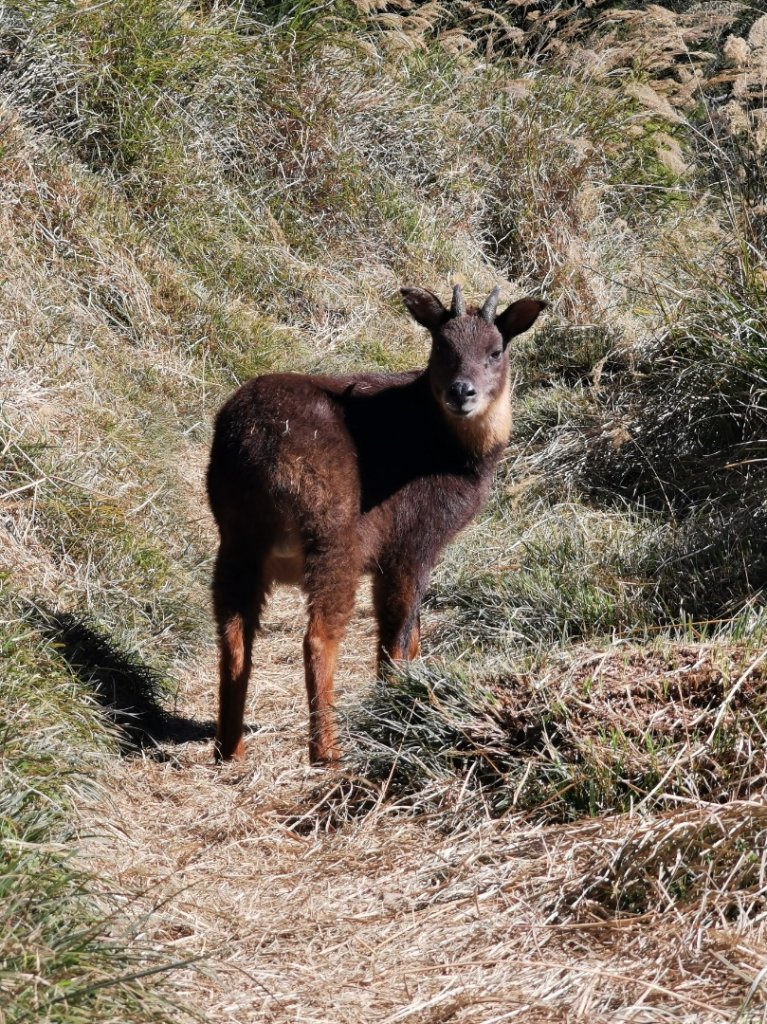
point(316, 480)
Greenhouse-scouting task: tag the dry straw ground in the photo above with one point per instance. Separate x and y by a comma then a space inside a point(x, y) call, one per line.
point(309, 916)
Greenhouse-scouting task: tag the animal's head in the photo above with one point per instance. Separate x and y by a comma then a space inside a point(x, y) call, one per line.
point(469, 365)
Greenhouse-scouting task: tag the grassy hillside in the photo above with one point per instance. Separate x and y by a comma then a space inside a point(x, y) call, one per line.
point(191, 193)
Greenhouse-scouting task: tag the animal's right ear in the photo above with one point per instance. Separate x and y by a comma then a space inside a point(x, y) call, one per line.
point(424, 307)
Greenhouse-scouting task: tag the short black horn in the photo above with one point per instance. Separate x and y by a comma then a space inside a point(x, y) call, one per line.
point(488, 310)
point(459, 306)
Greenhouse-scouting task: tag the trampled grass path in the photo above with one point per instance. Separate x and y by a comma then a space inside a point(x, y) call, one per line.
point(383, 917)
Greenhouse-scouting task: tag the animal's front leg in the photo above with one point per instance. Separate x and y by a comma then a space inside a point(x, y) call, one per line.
point(414, 645)
point(397, 598)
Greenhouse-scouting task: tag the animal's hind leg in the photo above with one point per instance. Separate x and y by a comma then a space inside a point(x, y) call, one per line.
point(239, 594)
point(330, 580)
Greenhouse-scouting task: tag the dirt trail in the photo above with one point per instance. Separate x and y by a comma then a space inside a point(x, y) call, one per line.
point(385, 919)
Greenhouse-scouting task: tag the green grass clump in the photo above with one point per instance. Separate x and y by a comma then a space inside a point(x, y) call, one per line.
point(692, 408)
point(555, 573)
point(572, 738)
point(546, 573)
point(67, 952)
point(424, 726)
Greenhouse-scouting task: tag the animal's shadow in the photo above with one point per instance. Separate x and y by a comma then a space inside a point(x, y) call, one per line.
point(130, 691)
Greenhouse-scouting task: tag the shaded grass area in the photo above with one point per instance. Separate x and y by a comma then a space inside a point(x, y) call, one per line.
point(132, 693)
point(68, 952)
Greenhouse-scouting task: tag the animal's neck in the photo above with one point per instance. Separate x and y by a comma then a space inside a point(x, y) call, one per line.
point(481, 435)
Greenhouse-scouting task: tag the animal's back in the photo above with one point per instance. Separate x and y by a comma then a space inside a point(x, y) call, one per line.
point(287, 452)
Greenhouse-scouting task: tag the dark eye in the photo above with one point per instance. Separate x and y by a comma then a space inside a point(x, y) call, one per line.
point(497, 354)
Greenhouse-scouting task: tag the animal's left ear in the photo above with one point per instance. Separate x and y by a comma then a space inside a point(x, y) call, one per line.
point(518, 318)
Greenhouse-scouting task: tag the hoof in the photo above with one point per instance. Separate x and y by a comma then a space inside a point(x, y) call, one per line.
point(324, 757)
point(223, 752)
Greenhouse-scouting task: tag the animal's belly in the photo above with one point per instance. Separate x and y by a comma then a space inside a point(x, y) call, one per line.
point(285, 568)
point(285, 561)
point(287, 547)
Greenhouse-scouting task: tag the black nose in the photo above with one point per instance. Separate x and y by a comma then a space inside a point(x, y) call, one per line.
point(460, 390)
